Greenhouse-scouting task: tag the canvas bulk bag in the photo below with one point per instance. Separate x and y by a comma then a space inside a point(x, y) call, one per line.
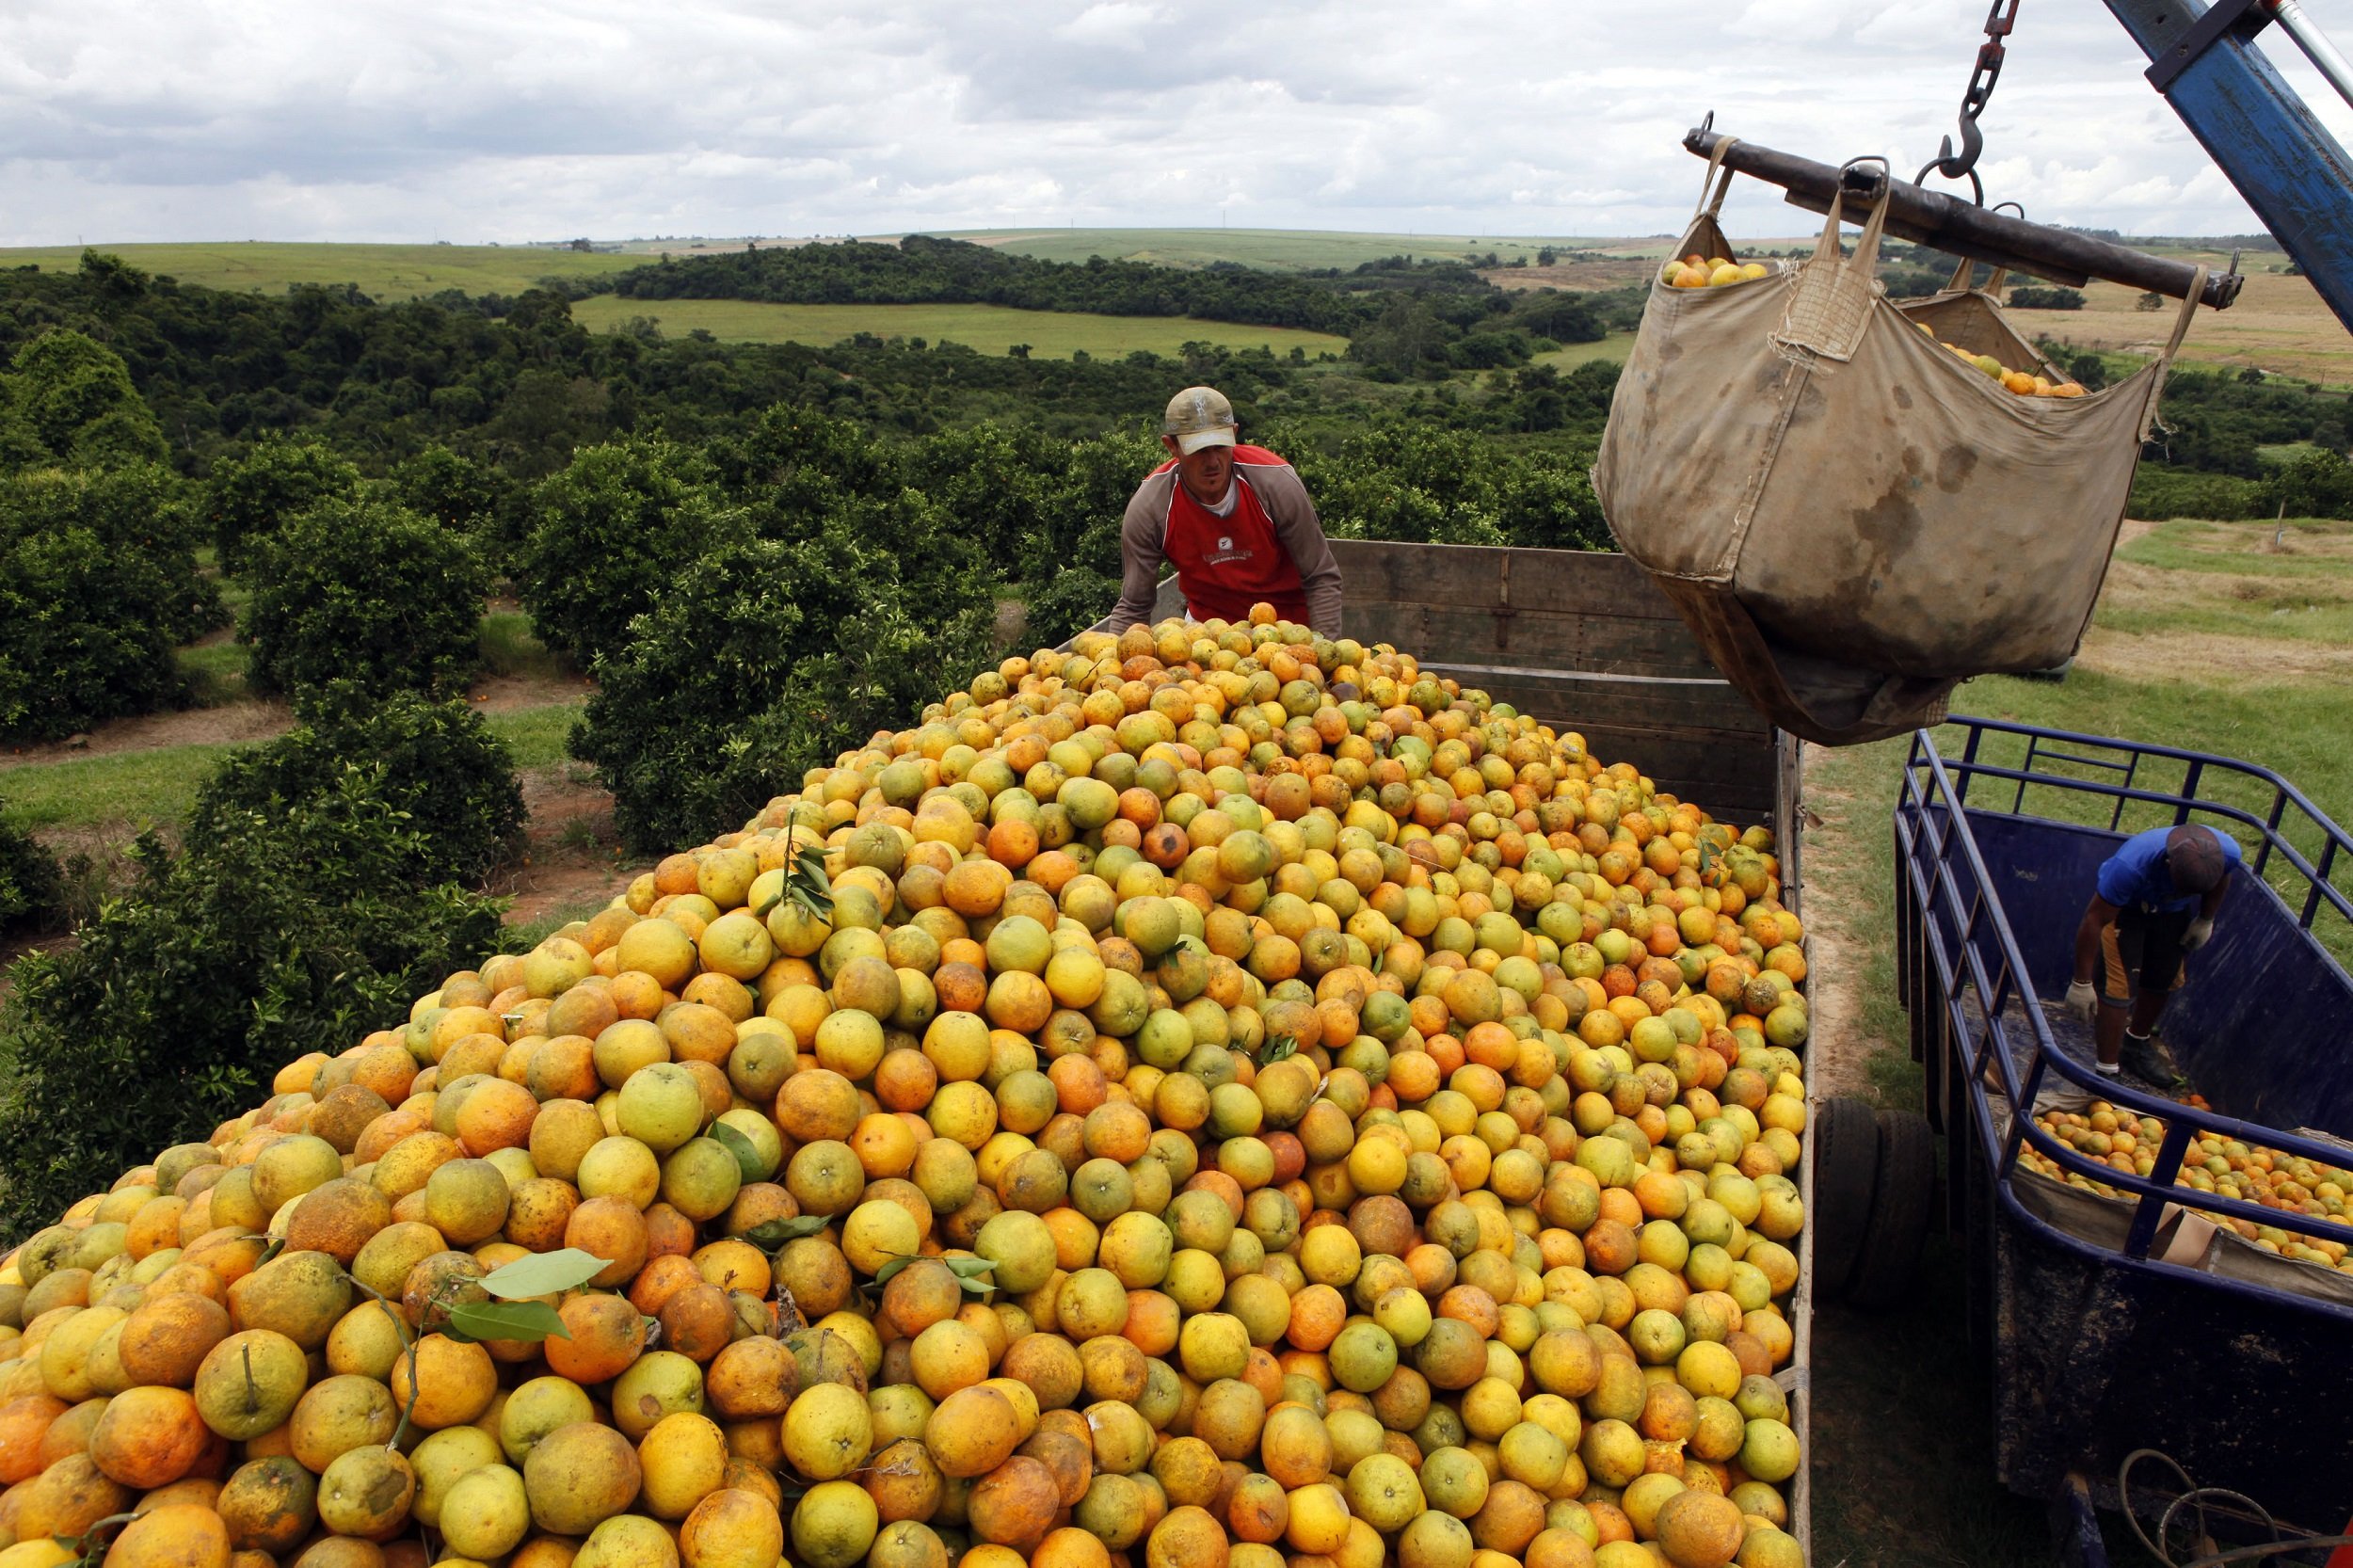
point(1851, 518)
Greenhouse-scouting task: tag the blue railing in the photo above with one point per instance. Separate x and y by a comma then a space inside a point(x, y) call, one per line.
point(1947, 898)
point(2269, 813)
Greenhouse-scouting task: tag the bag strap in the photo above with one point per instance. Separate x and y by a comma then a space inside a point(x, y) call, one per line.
point(1710, 206)
point(1829, 305)
point(1866, 251)
point(2172, 346)
point(1960, 278)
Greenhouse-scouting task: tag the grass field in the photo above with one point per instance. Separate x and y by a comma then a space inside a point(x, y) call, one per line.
point(1615, 348)
point(2279, 324)
point(2209, 638)
point(990, 328)
point(381, 271)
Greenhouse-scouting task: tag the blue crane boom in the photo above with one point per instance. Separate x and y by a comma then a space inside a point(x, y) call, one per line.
point(2259, 131)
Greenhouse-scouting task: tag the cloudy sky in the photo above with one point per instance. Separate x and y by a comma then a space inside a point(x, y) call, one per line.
point(354, 120)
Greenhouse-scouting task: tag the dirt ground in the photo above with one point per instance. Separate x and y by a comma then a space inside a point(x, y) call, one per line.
point(230, 725)
point(1613, 272)
point(572, 855)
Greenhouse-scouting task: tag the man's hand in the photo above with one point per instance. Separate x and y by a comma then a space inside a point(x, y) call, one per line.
point(2082, 1000)
point(2200, 931)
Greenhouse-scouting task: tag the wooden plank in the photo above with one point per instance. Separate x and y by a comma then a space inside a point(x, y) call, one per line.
point(1484, 634)
point(1568, 580)
point(1695, 756)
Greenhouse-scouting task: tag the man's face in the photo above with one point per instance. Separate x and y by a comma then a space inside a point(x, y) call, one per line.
point(1205, 472)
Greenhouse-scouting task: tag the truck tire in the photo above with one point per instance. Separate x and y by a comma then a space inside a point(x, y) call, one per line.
point(1899, 1212)
point(1846, 1157)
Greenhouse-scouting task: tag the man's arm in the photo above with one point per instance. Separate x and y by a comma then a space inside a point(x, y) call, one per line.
point(1302, 533)
point(1140, 558)
point(2098, 914)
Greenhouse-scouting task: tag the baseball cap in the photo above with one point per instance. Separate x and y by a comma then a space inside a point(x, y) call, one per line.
point(2194, 858)
point(1199, 417)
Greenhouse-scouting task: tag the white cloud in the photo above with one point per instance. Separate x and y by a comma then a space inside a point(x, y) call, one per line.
point(236, 119)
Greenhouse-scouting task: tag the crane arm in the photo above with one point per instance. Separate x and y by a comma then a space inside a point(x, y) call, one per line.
point(2259, 131)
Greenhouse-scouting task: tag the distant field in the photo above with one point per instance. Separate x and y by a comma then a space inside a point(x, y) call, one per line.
point(988, 328)
point(1281, 249)
point(381, 271)
point(2278, 325)
point(1615, 348)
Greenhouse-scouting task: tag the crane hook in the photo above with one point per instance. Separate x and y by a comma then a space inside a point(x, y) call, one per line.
point(1963, 164)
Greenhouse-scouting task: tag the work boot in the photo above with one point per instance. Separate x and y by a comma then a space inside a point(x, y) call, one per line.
point(2142, 1059)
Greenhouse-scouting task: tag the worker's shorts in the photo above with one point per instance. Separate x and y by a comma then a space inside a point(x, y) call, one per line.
point(2141, 952)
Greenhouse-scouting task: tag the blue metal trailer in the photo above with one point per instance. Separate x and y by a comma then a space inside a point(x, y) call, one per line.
point(2230, 1363)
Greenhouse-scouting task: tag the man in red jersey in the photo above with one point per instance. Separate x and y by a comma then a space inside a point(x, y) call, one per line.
point(1234, 521)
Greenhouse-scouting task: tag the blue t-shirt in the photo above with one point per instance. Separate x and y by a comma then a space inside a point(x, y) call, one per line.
point(2136, 873)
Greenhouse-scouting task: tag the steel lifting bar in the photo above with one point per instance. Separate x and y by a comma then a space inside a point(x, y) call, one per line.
point(1961, 228)
point(2259, 132)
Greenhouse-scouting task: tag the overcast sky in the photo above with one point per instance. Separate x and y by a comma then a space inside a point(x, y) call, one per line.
point(351, 120)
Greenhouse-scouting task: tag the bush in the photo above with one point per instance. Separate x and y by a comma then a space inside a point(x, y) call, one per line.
point(365, 593)
point(31, 889)
point(437, 764)
point(609, 533)
point(764, 659)
point(289, 931)
point(2316, 485)
point(249, 498)
point(466, 496)
point(67, 398)
point(141, 510)
point(2028, 297)
point(2160, 492)
point(83, 635)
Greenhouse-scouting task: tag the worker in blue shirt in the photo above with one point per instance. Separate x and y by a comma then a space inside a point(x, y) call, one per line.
point(2156, 901)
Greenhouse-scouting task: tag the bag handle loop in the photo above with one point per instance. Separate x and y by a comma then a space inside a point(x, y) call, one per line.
point(1960, 278)
point(2172, 346)
point(1830, 304)
point(1709, 207)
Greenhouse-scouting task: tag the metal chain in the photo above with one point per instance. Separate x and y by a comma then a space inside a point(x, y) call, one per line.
point(1963, 164)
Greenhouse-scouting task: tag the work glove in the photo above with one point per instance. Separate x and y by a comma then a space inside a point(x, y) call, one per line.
point(2082, 1000)
point(2196, 937)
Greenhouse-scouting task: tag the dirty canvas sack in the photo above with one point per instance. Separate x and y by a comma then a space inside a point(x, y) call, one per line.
point(1851, 518)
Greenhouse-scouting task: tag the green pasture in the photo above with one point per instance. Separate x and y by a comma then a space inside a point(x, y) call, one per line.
point(1614, 348)
point(381, 271)
point(987, 328)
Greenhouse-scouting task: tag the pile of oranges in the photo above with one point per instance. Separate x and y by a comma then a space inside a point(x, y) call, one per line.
point(2226, 1167)
point(1217, 1098)
point(2023, 383)
point(1708, 272)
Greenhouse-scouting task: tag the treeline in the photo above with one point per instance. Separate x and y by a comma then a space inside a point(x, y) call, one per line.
point(922, 271)
point(516, 385)
point(1403, 317)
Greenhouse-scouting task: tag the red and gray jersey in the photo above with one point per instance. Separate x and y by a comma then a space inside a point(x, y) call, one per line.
point(1268, 547)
